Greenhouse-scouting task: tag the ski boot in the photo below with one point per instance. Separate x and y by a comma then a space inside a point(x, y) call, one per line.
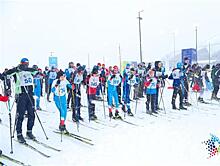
point(155, 112)
point(117, 116)
point(39, 109)
point(63, 129)
point(130, 113)
point(21, 139)
point(182, 108)
point(110, 112)
point(123, 108)
point(93, 117)
point(30, 135)
point(110, 115)
point(200, 99)
point(80, 118)
point(174, 107)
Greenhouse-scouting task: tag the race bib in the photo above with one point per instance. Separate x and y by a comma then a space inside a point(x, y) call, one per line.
point(116, 81)
point(93, 82)
point(78, 79)
point(132, 81)
point(52, 75)
point(176, 74)
point(26, 79)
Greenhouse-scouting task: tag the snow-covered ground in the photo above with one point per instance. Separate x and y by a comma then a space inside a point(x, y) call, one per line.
point(171, 139)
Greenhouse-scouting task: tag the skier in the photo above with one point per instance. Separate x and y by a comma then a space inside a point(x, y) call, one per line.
point(52, 74)
point(92, 83)
point(215, 75)
point(3, 99)
point(25, 102)
point(129, 81)
point(177, 76)
point(103, 77)
point(113, 81)
point(126, 72)
point(141, 75)
point(7, 83)
point(59, 89)
point(151, 85)
point(99, 88)
point(37, 86)
point(69, 71)
point(77, 78)
point(160, 74)
point(200, 78)
point(185, 82)
point(46, 77)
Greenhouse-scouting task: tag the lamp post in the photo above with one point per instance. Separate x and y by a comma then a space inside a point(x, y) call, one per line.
point(139, 22)
point(196, 43)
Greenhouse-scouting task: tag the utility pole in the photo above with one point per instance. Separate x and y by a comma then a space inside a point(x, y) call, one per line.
point(139, 22)
point(196, 43)
point(119, 52)
point(174, 48)
point(209, 53)
point(89, 61)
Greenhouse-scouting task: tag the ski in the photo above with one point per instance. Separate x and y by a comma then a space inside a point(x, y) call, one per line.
point(11, 159)
point(46, 146)
point(133, 124)
point(75, 137)
point(85, 125)
point(151, 114)
point(101, 123)
point(34, 149)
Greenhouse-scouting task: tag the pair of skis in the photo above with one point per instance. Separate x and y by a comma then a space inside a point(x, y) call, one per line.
point(77, 137)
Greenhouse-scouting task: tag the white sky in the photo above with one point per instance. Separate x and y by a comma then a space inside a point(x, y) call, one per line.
point(75, 28)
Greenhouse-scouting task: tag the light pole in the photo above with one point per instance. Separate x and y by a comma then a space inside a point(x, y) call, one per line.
point(174, 48)
point(119, 52)
point(139, 22)
point(196, 43)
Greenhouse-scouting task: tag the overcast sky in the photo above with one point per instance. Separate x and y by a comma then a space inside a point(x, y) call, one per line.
point(72, 29)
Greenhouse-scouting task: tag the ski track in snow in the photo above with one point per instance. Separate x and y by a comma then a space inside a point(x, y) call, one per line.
point(172, 138)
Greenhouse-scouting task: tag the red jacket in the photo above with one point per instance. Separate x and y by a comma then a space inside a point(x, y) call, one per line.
point(3, 98)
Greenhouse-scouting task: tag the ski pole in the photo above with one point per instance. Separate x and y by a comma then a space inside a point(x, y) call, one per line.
point(61, 132)
point(9, 113)
point(103, 104)
point(35, 112)
point(76, 98)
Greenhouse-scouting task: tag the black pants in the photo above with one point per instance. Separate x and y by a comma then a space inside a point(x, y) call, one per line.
point(185, 89)
point(77, 97)
point(215, 90)
point(141, 89)
point(119, 93)
point(151, 100)
point(49, 91)
point(91, 106)
point(25, 102)
point(177, 90)
point(69, 97)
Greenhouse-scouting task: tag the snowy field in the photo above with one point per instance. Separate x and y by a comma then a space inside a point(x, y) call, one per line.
point(173, 138)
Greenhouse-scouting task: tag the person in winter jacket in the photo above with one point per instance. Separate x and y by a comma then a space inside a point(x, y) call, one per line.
point(37, 86)
point(177, 77)
point(25, 102)
point(200, 79)
point(59, 89)
point(92, 84)
point(215, 75)
point(113, 81)
point(151, 84)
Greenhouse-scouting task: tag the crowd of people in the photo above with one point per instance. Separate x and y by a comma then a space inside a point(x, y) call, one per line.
point(66, 86)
